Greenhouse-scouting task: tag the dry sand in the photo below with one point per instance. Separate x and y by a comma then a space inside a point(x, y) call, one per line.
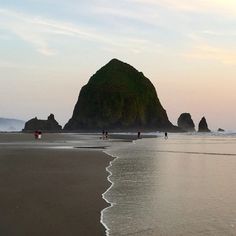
point(46, 191)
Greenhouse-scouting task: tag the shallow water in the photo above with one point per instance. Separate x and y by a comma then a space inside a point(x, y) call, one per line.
point(185, 185)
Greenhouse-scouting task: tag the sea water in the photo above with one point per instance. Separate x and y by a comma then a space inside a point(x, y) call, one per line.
point(185, 185)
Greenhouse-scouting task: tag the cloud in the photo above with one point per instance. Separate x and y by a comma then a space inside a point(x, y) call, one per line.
point(17, 65)
point(204, 51)
point(211, 6)
point(148, 16)
point(25, 28)
point(219, 33)
point(211, 45)
point(38, 31)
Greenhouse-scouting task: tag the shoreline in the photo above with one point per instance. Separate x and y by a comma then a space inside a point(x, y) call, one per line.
point(124, 138)
point(110, 204)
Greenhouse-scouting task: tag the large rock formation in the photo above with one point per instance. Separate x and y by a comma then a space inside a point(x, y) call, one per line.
point(49, 125)
point(118, 97)
point(203, 127)
point(185, 122)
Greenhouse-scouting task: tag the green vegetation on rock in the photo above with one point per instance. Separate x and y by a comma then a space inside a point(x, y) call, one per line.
point(118, 97)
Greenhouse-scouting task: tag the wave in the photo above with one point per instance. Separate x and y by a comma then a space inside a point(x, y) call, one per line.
point(111, 204)
point(104, 194)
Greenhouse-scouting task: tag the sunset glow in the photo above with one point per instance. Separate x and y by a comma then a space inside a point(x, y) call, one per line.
point(49, 49)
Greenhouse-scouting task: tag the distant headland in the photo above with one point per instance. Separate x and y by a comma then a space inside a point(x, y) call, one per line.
point(11, 125)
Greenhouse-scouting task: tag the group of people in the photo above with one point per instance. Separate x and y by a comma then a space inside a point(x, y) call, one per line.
point(104, 134)
point(139, 135)
point(38, 134)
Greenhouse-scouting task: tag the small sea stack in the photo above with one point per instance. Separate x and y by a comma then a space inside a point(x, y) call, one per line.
point(221, 130)
point(49, 125)
point(186, 123)
point(203, 126)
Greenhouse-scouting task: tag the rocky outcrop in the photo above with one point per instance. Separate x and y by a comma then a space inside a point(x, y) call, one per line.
point(203, 127)
point(221, 130)
point(186, 123)
point(49, 125)
point(118, 97)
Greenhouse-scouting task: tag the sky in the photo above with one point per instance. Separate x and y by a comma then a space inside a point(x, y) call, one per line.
point(50, 48)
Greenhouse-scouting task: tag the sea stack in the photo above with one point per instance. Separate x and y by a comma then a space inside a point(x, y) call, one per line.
point(221, 130)
point(49, 125)
point(186, 123)
point(203, 127)
point(118, 97)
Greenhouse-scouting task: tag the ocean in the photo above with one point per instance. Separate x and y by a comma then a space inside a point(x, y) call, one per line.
point(185, 185)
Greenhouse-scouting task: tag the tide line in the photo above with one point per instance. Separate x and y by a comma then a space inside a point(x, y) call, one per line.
point(103, 195)
point(197, 153)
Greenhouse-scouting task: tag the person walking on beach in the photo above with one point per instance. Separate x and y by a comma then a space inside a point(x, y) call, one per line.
point(36, 134)
point(166, 135)
point(39, 134)
point(139, 134)
point(106, 135)
point(103, 134)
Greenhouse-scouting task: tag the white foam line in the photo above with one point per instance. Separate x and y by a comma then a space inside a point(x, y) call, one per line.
point(103, 195)
point(112, 184)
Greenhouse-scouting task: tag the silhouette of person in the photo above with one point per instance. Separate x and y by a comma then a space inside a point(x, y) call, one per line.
point(139, 134)
point(39, 134)
point(36, 134)
point(166, 135)
point(106, 135)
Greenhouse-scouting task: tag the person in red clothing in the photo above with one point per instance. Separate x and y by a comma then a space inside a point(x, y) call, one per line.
point(36, 134)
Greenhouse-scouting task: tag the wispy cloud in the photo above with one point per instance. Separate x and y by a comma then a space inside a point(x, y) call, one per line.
point(18, 65)
point(211, 45)
point(207, 52)
point(37, 32)
point(148, 16)
point(215, 6)
point(219, 33)
point(25, 28)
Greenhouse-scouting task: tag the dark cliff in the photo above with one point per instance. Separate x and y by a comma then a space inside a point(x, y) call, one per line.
point(49, 125)
point(118, 97)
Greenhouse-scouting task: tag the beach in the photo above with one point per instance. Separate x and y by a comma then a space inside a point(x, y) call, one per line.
point(65, 184)
point(48, 187)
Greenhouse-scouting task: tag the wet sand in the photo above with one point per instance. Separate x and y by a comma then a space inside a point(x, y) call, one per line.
point(47, 191)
